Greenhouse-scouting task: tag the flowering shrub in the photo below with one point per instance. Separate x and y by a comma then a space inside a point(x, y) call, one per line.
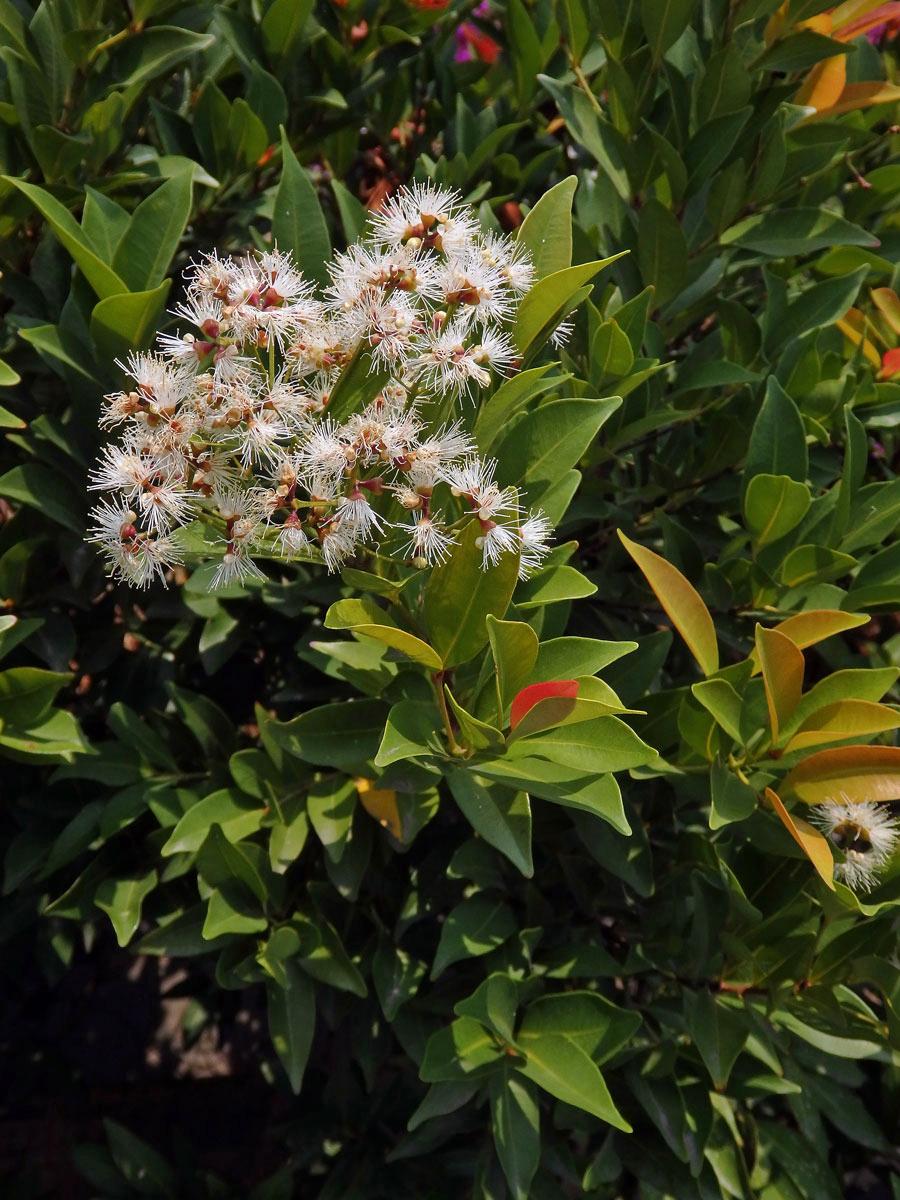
point(230, 426)
point(513, 748)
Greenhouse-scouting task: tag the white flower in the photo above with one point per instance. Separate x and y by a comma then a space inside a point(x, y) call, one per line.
point(427, 539)
point(481, 290)
point(291, 538)
point(495, 541)
point(236, 566)
point(533, 534)
point(357, 517)
point(426, 213)
point(864, 832)
point(338, 545)
point(511, 258)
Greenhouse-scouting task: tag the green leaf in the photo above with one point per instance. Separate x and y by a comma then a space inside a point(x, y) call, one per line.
point(33, 485)
point(597, 746)
point(821, 305)
point(611, 352)
point(142, 1166)
point(229, 910)
point(786, 231)
point(718, 1031)
point(396, 975)
point(342, 735)
point(128, 322)
point(809, 563)
point(235, 814)
point(283, 27)
point(732, 798)
point(148, 245)
point(568, 657)
point(773, 505)
point(121, 900)
point(546, 442)
point(410, 731)
point(292, 1022)
point(27, 694)
point(778, 438)
point(102, 278)
point(330, 805)
point(474, 734)
point(460, 596)
point(502, 817)
point(475, 927)
point(514, 645)
point(515, 1123)
point(547, 230)
point(558, 1064)
point(495, 412)
point(459, 1050)
point(662, 251)
point(547, 303)
point(664, 21)
point(150, 52)
point(493, 1004)
point(299, 224)
point(364, 615)
point(221, 864)
point(719, 698)
point(330, 963)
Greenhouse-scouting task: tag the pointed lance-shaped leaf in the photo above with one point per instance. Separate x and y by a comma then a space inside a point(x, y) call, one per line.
point(681, 601)
point(808, 838)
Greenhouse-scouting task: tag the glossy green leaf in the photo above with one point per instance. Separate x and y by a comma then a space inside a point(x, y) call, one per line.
point(515, 1124)
point(364, 615)
point(773, 505)
point(122, 899)
point(292, 1022)
point(502, 817)
point(546, 304)
point(299, 224)
point(146, 248)
point(547, 230)
point(474, 927)
point(460, 596)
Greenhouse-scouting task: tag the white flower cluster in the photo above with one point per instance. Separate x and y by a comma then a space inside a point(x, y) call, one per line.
point(231, 423)
point(864, 832)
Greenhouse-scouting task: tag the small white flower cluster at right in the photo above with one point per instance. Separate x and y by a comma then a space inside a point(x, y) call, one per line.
point(864, 832)
point(233, 424)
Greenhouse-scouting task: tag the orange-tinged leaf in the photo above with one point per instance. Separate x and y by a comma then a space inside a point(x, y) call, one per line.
point(782, 669)
point(566, 689)
point(858, 95)
point(843, 719)
point(890, 365)
point(380, 803)
point(859, 772)
point(852, 326)
point(808, 838)
point(852, 10)
point(682, 603)
point(869, 15)
point(775, 23)
point(818, 24)
point(807, 628)
point(888, 305)
point(825, 84)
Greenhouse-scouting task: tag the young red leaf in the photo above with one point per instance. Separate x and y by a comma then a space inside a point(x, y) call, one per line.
point(529, 696)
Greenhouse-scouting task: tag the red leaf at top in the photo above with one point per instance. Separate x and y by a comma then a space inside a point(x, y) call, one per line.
point(529, 696)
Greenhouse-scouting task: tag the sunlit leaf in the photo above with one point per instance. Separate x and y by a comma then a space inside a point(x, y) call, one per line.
point(811, 842)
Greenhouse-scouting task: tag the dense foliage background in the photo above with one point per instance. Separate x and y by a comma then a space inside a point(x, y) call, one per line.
point(165, 789)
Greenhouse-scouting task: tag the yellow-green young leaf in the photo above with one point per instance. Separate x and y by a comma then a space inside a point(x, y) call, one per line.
point(475, 734)
point(888, 306)
point(460, 596)
point(808, 838)
point(559, 1065)
point(861, 772)
point(782, 668)
point(547, 301)
point(808, 628)
point(773, 505)
point(841, 720)
point(682, 603)
point(547, 230)
point(121, 900)
point(363, 615)
point(611, 352)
